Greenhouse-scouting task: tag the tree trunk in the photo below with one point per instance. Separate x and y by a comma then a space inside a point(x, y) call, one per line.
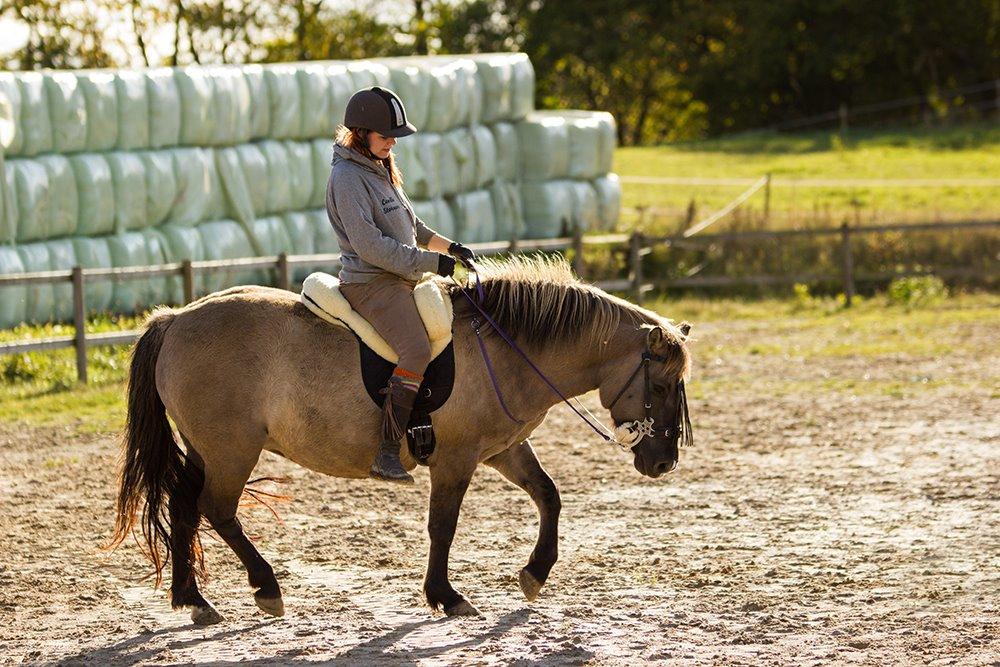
point(419, 28)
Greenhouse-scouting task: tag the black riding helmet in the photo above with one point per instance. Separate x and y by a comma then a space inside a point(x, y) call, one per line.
point(378, 109)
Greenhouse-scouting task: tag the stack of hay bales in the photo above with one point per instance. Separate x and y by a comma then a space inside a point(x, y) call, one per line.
point(121, 168)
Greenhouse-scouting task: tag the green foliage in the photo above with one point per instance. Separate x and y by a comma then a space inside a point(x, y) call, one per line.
point(916, 291)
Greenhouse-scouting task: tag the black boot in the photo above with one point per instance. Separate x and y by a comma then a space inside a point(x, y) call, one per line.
point(395, 415)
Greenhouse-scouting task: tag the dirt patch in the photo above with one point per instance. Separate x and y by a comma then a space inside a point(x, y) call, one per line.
point(802, 528)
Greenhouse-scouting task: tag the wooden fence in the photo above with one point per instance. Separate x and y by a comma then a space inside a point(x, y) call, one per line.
point(636, 285)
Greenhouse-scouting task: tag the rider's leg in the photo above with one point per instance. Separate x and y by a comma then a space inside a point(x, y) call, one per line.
point(387, 303)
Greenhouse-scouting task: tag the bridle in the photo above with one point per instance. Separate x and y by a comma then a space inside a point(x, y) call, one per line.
point(627, 434)
point(681, 428)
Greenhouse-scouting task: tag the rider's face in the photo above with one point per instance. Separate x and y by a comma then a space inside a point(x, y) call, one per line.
point(380, 145)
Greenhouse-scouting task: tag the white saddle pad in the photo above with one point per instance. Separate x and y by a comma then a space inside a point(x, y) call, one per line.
point(326, 301)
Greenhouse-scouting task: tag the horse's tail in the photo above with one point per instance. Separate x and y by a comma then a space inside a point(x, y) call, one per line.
point(152, 465)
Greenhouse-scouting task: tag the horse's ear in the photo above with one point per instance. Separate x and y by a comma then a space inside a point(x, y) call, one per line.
point(685, 328)
point(656, 341)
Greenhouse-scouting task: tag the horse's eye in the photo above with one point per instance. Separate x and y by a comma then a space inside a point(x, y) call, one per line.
point(659, 389)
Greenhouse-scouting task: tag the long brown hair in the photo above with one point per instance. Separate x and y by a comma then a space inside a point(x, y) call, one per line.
point(356, 138)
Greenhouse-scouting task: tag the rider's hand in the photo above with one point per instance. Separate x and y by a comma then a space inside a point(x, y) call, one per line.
point(446, 266)
point(462, 254)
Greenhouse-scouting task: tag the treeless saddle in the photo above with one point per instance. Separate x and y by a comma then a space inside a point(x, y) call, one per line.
point(321, 295)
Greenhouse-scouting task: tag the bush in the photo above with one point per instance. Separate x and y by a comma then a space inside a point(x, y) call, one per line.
point(915, 291)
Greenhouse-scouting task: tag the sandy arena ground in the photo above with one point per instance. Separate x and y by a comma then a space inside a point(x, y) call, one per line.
point(805, 527)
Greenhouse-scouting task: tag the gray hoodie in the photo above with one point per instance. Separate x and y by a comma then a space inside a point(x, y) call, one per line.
point(374, 221)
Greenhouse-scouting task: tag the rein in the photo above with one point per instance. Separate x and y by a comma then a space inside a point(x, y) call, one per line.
point(625, 435)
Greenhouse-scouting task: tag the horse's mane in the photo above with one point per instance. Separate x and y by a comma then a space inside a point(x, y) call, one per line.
point(537, 299)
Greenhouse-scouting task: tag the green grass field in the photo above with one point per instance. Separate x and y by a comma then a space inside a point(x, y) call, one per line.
point(39, 389)
point(967, 152)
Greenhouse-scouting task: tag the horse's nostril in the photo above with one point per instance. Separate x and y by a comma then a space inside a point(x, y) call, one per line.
point(663, 466)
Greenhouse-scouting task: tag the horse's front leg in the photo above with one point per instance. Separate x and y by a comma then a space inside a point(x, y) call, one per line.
point(449, 481)
point(520, 465)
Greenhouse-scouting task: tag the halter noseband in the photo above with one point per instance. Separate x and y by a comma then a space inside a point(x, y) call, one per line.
point(647, 427)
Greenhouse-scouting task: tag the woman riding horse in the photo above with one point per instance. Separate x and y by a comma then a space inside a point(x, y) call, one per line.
point(381, 262)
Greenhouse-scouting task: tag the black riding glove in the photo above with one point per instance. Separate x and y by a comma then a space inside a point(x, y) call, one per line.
point(462, 254)
point(446, 265)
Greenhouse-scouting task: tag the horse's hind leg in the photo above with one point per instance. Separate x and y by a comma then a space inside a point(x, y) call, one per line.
point(218, 502)
point(520, 466)
point(185, 548)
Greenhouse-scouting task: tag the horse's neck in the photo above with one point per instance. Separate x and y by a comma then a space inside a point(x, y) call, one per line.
point(573, 369)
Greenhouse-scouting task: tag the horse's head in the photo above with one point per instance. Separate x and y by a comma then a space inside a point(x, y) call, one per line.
point(643, 387)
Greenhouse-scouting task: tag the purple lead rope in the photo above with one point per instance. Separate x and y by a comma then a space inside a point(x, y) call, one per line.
point(503, 334)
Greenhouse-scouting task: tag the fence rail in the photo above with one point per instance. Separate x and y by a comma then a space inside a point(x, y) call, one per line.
point(636, 244)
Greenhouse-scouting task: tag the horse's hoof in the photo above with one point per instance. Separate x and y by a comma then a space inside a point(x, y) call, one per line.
point(272, 606)
point(205, 615)
point(461, 608)
point(529, 585)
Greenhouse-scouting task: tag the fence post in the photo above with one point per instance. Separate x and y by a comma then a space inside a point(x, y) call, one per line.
point(284, 277)
point(187, 273)
point(578, 265)
point(842, 113)
point(847, 259)
point(635, 265)
point(79, 323)
point(767, 198)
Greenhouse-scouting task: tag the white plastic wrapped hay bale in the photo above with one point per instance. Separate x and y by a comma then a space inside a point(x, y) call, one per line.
point(461, 144)
point(544, 143)
point(469, 87)
point(231, 106)
point(609, 199)
point(11, 128)
point(285, 101)
point(341, 87)
point(67, 111)
point(485, 150)
point(410, 82)
point(36, 128)
point(473, 212)
point(430, 152)
point(324, 238)
point(408, 163)
point(133, 110)
point(235, 187)
point(62, 257)
point(522, 100)
point(157, 250)
point(184, 243)
point(197, 96)
point(314, 88)
point(13, 299)
point(164, 108)
point(302, 236)
point(443, 102)
point(39, 297)
point(199, 189)
point(279, 188)
point(592, 141)
point(270, 238)
point(436, 214)
point(496, 73)
point(64, 205)
point(96, 193)
point(586, 209)
point(254, 166)
point(30, 188)
point(225, 239)
point(548, 208)
point(507, 154)
point(161, 185)
point(8, 204)
point(128, 178)
point(300, 175)
point(507, 212)
point(368, 73)
point(93, 253)
point(260, 101)
point(100, 93)
point(322, 156)
point(129, 249)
